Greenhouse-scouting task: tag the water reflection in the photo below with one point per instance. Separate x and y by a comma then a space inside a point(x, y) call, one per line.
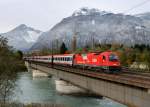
point(42, 90)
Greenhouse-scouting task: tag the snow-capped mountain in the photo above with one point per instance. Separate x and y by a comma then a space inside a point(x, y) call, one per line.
point(102, 27)
point(146, 18)
point(22, 37)
point(86, 11)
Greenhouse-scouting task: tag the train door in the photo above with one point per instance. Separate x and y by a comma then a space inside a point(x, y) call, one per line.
point(104, 59)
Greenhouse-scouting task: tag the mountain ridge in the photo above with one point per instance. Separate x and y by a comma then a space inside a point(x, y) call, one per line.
point(22, 37)
point(104, 27)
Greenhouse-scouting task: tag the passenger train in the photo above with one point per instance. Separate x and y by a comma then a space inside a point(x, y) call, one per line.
point(102, 61)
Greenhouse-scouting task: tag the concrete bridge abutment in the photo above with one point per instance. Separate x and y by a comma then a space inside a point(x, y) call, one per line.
point(148, 91)
point(35, 71)
point(28, 66)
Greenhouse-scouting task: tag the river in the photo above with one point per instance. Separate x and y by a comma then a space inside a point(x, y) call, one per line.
point(42, 90)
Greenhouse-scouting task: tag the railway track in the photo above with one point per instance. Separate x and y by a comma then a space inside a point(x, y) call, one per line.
point(133, 80)
point(126, 77)
point(130, 73)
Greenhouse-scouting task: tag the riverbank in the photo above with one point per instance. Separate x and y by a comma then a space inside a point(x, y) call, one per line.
point(21, 66)
point(30, 105)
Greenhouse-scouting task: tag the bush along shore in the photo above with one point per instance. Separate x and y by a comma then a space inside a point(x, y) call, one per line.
point(10, 64)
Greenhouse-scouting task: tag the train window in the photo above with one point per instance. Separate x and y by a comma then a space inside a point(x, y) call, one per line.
point(70, 59)
point(113, 57)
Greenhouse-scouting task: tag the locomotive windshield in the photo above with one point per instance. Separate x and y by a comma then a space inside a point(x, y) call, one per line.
point(113, 57)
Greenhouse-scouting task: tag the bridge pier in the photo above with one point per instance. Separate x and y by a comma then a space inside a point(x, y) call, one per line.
point(66, 88)
point(37, 73)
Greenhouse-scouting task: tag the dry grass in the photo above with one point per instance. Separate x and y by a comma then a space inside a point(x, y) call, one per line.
point(30, 105)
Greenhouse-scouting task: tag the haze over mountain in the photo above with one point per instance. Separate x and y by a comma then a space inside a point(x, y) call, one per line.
point(22, 37)
point(146, 18)
point(99, 26)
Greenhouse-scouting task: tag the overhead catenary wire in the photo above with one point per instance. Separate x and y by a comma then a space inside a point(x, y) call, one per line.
point(136, 6)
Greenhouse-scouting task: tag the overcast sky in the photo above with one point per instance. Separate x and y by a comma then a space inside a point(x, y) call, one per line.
point(44, 14)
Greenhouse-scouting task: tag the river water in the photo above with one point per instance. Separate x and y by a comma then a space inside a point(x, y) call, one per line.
point(42, 90)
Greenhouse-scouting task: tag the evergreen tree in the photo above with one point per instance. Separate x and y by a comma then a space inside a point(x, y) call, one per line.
point(19, 54)
point(63, 48)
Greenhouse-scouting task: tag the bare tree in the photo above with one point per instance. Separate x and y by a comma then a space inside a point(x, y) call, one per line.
point(8, 68)
point(74, 43)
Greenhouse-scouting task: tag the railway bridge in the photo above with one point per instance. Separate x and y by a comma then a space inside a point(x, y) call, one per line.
point(131, 89)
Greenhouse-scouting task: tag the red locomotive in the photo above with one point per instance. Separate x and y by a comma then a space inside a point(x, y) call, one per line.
point(106, 61)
